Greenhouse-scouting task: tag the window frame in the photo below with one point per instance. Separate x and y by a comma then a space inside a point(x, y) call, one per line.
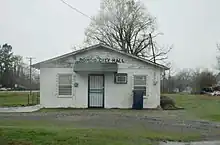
point(145, 85)
point(117, 75)
point(58, 85)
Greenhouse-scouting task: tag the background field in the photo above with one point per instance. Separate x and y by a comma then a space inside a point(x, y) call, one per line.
point(9, 99)
point(199, 106)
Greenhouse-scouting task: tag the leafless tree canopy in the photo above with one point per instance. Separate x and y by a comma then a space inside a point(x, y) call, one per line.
point(194, 78)
point(125, 25)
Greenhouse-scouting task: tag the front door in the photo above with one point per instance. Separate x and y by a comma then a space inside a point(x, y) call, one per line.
point(96, 91)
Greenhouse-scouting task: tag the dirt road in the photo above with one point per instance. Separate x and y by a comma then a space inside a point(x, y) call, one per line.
point(121, 119)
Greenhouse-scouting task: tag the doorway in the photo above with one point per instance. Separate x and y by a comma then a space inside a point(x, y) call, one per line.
point(96, 91)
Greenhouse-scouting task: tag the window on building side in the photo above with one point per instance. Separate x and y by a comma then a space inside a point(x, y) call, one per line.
point(140, 83)
point(65, 84)
point(121, 78)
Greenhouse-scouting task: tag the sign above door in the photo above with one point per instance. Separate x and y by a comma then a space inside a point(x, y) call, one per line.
point(100, 60)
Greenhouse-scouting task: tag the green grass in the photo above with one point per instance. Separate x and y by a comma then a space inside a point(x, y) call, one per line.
point(14, 132)
point(200, 106)
point(53, 133)
point(10, 99)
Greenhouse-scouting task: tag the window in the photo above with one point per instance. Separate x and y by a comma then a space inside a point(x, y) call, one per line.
point(65, 84)
point(121, 78)
point(140, 83)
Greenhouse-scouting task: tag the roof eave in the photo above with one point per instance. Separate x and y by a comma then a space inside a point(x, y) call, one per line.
point(37, 65)
point(166, 68)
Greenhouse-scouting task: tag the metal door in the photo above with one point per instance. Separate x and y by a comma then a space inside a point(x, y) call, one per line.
point(96, 91)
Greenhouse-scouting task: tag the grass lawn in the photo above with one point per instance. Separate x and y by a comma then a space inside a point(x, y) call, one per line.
point(16, 99)
point(53, 133)
point(199, 106)
point(23, 132)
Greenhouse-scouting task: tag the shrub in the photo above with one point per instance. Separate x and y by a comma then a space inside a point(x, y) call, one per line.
point(167, 103)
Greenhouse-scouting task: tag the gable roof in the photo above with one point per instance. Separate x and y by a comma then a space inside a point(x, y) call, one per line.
point(37, 65)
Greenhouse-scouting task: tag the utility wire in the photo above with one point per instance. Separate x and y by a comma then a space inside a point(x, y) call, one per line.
point(75, 9)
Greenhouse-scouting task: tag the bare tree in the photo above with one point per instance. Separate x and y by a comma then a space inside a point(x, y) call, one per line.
point(184, 79)
point(125, 25)
point(194, 78)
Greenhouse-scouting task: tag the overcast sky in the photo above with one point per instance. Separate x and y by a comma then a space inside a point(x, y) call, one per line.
point(47, 28)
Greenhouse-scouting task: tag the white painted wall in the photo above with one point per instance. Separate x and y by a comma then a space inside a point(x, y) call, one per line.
point(116, 95)
point(48, 88)
point(152, 100)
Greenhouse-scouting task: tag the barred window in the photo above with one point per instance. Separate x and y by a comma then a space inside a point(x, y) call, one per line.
point(65, 84)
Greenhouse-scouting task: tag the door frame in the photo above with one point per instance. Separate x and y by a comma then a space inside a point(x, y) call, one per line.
point(103, 100)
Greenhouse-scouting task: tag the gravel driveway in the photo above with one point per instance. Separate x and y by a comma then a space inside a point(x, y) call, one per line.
point(121, 119)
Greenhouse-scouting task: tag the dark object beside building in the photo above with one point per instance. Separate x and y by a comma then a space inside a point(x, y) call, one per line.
point(167, 103)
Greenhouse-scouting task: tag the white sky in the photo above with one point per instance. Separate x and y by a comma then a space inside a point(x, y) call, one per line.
point(47, 28)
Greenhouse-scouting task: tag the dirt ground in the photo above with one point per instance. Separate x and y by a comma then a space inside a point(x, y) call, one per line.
point(121, 119)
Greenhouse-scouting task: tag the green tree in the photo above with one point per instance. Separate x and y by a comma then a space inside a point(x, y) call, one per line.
point(8, 65)
point(6, 59)
point(12, 69)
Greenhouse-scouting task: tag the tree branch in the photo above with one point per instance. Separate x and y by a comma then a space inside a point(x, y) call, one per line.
point(124, 25)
